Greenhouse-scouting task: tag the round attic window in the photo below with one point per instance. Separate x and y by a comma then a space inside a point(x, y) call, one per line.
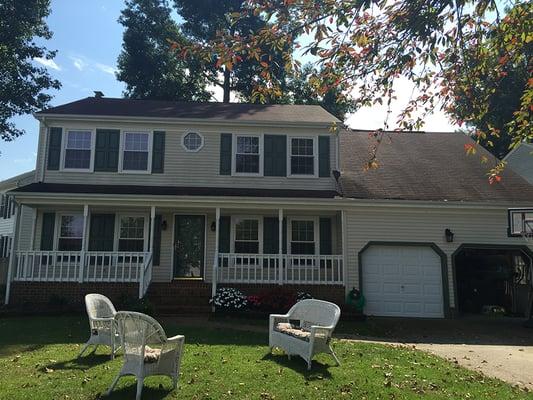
point(192, 141)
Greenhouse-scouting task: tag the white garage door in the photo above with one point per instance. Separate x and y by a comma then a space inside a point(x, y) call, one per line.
point(402, 281)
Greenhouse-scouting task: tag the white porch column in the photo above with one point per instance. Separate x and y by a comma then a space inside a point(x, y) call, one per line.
point(12, 255)
point(152, 228)
point(344, 250)
point(214, 275)
point(83, 243)
point(33, 228)
point(280, 246)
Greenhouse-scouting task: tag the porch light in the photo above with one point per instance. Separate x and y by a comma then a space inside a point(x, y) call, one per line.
point(213, 226)
point(449, 235)
point(164, 225)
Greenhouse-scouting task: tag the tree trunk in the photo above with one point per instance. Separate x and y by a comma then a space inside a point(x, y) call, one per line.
point(226, 85)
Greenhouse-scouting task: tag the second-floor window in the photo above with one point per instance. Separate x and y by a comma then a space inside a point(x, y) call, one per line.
point(136, 151)
point(302, 156)
point(78, 149)
point(247, 155)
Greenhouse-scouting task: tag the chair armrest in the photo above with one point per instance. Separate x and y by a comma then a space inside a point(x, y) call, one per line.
point(274, 317)
point(176, 338)
point(326, 330)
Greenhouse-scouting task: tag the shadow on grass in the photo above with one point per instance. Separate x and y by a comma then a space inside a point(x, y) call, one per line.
point(130, 389)
point(318, 371)
point(82, 363)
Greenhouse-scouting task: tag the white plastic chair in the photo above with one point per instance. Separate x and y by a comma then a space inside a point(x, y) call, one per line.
point(101, 313)
point(305, 330)
point(136, 332)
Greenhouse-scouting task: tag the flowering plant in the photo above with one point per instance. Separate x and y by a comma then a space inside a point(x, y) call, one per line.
point(229, 298)
point(254, 301)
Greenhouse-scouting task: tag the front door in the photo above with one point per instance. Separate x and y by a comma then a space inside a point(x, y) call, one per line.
point(189, 243)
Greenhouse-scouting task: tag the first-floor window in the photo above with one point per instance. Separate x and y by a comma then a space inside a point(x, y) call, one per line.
point(302, 156)
point(303, 237)
point(136, 150)
point(247, 155)
point(131, 234)
point(70, 232)
point(78, 149)
point(247, 236)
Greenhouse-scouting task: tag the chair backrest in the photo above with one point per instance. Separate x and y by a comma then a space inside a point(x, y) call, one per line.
point(136, 330)
point(99, 306)
point(315, 312)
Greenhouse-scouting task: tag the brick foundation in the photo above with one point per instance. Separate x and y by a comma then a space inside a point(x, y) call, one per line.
point(177, 296)
point(46, 294)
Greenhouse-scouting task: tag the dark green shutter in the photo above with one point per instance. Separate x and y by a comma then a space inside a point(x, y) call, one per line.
point(275, 155)
point(106, 150)
point(102, 232)
point(284, 236)
point(47, 231)
point(225, 153)
point(325, 236)
point(157, 240)
point(158, 152)
point(324, 168)
point(54, 148)
point(224, 235)
point(270, 235)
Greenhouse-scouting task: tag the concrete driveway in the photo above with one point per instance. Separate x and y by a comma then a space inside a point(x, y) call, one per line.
point(498, 347)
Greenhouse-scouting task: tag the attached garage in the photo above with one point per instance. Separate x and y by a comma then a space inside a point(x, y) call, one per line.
point(402, 280)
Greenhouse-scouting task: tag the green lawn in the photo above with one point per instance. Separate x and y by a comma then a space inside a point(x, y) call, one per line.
point(38, 361)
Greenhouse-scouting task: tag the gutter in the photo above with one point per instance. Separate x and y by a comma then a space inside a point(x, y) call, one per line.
point(166, 120)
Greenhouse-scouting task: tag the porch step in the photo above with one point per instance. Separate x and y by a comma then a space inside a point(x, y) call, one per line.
point(180, 297)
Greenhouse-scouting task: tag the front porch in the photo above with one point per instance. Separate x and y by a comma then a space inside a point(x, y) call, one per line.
point(96, 244)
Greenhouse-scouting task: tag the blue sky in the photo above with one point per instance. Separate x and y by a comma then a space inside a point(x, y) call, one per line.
point(89, 39)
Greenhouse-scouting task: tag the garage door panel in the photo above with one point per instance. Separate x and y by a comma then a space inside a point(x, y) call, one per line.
point(402, 281)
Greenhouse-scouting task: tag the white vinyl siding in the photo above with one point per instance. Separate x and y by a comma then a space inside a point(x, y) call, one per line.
point(185, 168)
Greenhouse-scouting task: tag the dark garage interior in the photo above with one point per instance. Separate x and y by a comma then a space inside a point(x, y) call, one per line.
point(493, 281)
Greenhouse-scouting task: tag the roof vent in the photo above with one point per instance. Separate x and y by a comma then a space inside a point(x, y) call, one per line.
point(98, 94)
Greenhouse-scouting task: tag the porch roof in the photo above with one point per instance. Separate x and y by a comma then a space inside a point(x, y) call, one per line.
point(41, 187)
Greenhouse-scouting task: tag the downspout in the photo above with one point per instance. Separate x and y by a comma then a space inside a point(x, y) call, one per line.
point(42, 147)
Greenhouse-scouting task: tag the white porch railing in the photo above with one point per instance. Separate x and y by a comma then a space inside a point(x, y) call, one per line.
point(67, 266)
point(146, 276)
point(276, 269)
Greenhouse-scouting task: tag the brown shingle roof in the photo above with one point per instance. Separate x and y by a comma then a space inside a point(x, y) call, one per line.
point(424, 166)
point(209, 111)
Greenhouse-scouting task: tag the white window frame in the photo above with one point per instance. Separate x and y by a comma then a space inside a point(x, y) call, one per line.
point(64, 140)
point(183, 141)
point(234, 154)
point(521, 212)
point(57, 229)
point(123, 133)
point(316, 232)
point(315, 157)
point(237, 218)
point(118, 217)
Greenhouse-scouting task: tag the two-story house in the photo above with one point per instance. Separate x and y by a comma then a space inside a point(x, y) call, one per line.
point(172, 200)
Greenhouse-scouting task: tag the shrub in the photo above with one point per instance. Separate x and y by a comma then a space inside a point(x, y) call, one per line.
point(277, 299)
point(303, 296)
point(229, 299)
